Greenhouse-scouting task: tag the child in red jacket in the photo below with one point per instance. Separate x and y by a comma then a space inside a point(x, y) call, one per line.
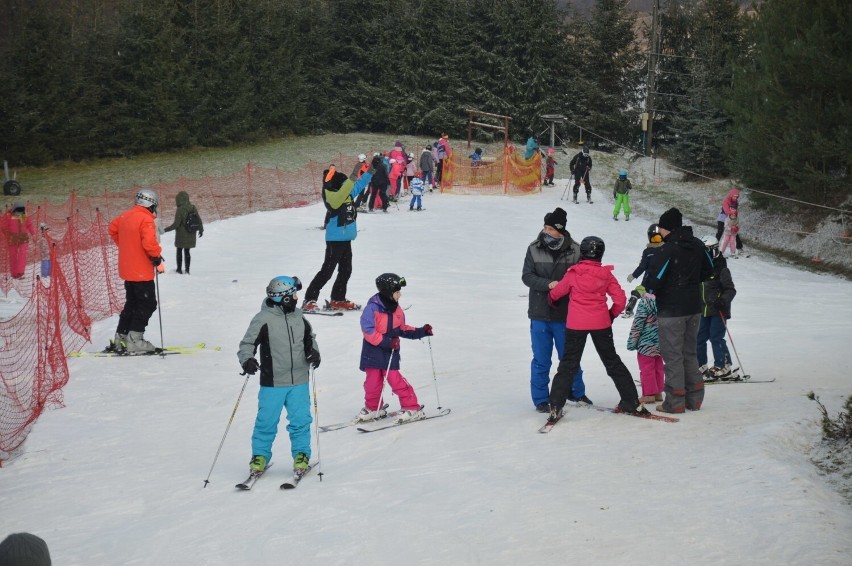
point(587, 284)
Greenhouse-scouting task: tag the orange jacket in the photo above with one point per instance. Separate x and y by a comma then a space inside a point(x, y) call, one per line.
point(135, 234)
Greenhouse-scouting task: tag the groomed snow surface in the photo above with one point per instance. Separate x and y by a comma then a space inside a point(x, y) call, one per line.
point(116, 477)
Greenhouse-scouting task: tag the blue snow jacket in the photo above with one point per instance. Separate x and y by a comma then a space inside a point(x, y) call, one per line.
point(343, 227)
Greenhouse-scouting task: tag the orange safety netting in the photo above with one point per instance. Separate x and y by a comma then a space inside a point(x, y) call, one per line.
point(509, 174)
point(84, 285)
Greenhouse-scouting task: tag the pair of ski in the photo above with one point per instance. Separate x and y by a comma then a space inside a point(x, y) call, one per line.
point(290, 484)
point(367, 425)
point(170, 351)
point(328, 310)
point(548, 426)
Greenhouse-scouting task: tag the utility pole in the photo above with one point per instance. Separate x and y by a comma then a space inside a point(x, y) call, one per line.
point(654, 47)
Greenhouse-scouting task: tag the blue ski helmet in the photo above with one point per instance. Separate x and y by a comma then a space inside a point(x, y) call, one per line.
point(623, 173)
point(283, 289)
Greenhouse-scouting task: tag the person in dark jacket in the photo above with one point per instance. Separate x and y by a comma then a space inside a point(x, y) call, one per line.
point(427, 167)
point(184, 238)
point(379, 185)
point(547, 260)
point(717, 293)
point(674, 275)
point(581, 167)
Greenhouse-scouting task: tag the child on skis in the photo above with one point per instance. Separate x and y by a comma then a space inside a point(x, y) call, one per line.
point(587, 284)
point(621, 195)
point(288, 349)
point(732, 229)
point(717, 293)
point(550, 168)
point(382, 324)
point(416, 193)
point(645, 339)
point(655, 240)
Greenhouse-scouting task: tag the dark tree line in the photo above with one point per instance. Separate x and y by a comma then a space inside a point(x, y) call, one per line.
point(95, 78)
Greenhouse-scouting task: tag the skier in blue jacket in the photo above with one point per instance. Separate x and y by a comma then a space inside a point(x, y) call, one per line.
point(339, 194)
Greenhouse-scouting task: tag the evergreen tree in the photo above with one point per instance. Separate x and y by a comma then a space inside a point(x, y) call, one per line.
point(791, 103)
point(612, 67)
point(700, 122)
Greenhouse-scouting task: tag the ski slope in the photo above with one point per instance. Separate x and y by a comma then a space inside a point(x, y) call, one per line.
point(116, 477)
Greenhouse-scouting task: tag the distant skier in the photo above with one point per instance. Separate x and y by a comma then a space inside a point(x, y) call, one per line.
point(184, 237)
point(550, 168)
point(581, 167)
point(621, 195)
point(730, 204)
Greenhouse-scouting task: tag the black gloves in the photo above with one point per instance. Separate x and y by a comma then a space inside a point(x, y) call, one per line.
point(200, 233)
point(720, 305)
point(313, 358)
point(157, 260)
point(250, 366)
point(427, 328)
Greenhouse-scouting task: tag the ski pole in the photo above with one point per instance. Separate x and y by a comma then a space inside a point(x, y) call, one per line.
point(316, 418)
point(160, 313)
point(739, 361)
point(434, 376)
point(227, 428)
point(384, 379)
point(565, 191)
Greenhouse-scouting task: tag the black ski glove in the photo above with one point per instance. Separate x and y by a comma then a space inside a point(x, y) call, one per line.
point(313, 358)
point(250, 366)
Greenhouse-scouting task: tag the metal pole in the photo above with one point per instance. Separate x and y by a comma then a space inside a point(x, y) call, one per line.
point(227, 428)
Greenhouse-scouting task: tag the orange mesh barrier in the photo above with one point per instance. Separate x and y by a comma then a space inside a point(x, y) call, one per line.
point(508, 174)
point(84, 285)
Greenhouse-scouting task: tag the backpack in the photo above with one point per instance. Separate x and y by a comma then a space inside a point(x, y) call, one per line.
point(192, 223)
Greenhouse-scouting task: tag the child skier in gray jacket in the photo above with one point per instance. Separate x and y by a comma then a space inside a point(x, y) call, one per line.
point(288, 349)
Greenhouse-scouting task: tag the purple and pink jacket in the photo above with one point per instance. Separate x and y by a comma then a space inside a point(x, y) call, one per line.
point(378, 327)
point(587, 285)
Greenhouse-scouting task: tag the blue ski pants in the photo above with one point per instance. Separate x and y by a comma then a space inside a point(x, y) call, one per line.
point(712, 329)
point(544, 336)
point(270, 402)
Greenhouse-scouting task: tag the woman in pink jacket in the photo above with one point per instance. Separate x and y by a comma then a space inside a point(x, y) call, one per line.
point(587, 284)
point(18, 228)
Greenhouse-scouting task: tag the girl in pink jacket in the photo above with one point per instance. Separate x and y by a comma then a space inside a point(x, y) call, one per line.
point(587, 284)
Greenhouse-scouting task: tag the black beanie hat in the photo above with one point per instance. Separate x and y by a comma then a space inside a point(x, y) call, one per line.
point(24, 548)
point(671, 219)
point(557, 219)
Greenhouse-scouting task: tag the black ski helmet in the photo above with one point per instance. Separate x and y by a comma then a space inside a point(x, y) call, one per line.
point(592, 247)
point(389, 283)
point(654, 235)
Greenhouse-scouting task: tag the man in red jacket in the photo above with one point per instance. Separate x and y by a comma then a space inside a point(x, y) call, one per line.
point(139, 252)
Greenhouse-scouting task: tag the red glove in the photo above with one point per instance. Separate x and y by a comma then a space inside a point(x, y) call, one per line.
point(427, 328)
point(395, 343)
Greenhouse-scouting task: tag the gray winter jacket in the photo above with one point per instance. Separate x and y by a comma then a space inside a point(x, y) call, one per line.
point(541, 266)
point(284, 340)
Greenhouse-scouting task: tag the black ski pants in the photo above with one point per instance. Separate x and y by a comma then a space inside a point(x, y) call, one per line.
point(337, 255)
point(183, 255)
point(139, 304)
point(586, 179)
point(575, 343)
